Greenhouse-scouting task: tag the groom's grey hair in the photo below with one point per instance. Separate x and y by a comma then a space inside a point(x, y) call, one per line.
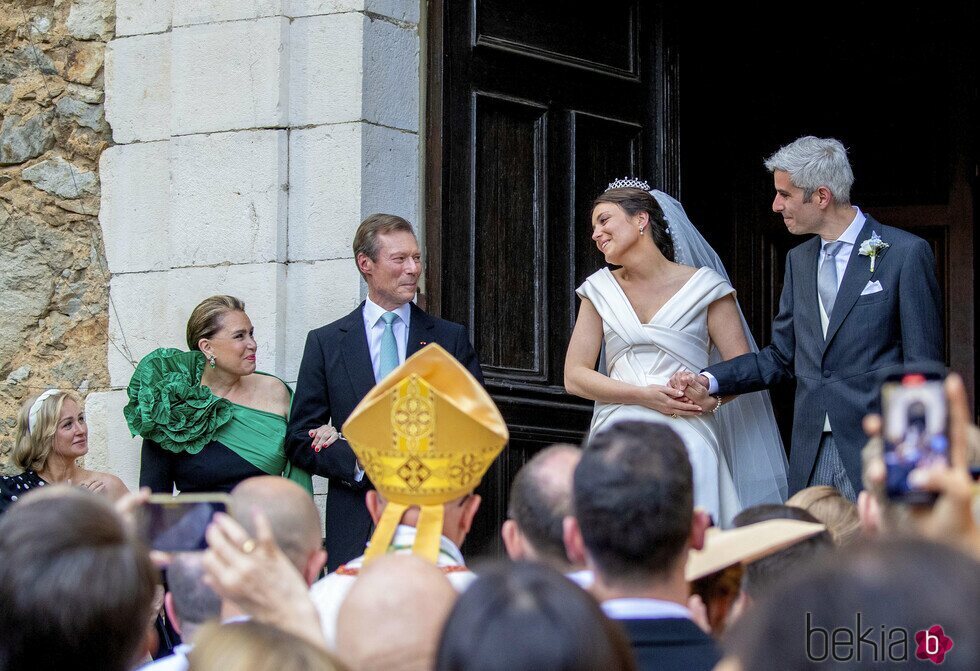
point(812, 162)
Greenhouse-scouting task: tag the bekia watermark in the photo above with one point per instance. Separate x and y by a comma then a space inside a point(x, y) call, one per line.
point(867, 643)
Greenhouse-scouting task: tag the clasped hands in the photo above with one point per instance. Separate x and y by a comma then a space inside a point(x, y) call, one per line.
point(686, 394)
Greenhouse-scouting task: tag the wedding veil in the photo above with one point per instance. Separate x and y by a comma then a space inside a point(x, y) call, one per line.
point(747, 429)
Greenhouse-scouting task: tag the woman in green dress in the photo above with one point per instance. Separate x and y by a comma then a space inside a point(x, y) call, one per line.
point(207, 417)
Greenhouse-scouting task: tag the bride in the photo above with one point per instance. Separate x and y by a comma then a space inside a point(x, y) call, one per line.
point(669, 307)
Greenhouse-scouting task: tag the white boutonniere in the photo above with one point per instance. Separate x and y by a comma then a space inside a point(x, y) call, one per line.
point(871, 247)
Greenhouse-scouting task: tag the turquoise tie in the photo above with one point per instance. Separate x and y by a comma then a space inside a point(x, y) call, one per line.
point(389, 348)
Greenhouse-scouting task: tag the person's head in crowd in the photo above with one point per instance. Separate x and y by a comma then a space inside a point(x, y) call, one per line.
point(951, 518)
point(716, 572)
point(870, 598)
point(189, 602)
point(387, 255)
point(633, 499)
point(76, 589)
point(392, 617)
point(292, 515)
point(50, 425)
point(540, 500)
point(762, 574)
point(718, 592)
point(832, 508)
point(253, 646)
point(525, 615)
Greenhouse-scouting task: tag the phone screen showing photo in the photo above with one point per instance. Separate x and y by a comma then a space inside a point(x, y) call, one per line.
point(176, 525)
point(915, 432)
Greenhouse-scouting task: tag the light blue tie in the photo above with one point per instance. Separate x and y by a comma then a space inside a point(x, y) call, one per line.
point(827, 277)
point(389, 348)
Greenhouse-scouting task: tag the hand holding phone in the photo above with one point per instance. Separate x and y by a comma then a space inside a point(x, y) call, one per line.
point(915, 428)
point(178, 523)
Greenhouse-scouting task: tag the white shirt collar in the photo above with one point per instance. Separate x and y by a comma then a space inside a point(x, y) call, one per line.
point(449, 554)
point(373, 312)
point(644, 609)
point(584, 578)
point(851, 233)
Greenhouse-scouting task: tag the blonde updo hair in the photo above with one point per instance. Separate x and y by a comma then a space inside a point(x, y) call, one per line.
point(828, 505)
point(253, 646)
point(32, 448)
point(205, 320)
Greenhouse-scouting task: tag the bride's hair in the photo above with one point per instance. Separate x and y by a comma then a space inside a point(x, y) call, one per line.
point(634, 201)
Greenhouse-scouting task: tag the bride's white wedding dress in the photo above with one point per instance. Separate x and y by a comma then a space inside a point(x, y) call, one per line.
point(641, 354)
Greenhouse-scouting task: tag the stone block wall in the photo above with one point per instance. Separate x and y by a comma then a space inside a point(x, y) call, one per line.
point(54, 280)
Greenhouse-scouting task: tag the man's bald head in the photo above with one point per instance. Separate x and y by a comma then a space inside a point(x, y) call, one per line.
point(292, 515)
point(393, 615)
point(540, 499)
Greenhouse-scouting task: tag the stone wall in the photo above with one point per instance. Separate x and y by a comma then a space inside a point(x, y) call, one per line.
point(53, 274)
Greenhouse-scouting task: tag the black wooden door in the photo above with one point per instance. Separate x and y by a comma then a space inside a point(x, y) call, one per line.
point(532, 109)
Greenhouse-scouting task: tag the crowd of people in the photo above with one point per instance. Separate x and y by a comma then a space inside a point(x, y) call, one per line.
point(664, 541)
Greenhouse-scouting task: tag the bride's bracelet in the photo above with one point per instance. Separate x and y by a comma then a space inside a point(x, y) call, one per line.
point(717, 398)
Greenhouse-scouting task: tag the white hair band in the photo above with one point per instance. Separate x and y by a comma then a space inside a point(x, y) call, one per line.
point(36, 407)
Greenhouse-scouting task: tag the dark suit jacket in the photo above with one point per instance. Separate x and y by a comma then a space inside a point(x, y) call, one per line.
point(334, 376)
point(670, 644)
point(868, 338)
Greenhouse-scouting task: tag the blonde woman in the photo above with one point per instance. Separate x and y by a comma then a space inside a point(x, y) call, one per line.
point(51, 437)
point(253, 646)
point(829, 506)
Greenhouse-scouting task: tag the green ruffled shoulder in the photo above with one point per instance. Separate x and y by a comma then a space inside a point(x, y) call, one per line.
point(169, 405)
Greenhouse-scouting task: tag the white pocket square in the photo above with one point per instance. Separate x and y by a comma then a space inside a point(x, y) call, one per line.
point(872, 288)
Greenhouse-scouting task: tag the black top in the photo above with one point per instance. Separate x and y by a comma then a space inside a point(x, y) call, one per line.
point(216, 468)
point(334, 375)
point(671, 643)
point(12, 487)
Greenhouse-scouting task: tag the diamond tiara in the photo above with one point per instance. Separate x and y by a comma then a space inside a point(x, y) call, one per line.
point(628, 183)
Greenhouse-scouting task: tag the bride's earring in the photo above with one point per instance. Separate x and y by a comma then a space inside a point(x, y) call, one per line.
point(642, 228)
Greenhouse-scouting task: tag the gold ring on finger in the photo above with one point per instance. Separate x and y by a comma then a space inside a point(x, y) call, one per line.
point(673, 415)
point(248, 546)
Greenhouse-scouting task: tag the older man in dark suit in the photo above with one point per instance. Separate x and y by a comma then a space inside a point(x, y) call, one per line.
point(860, 300)
point(342, 361)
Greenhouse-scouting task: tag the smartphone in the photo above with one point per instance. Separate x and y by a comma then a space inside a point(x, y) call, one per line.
point(178, 523)
point(915, 428)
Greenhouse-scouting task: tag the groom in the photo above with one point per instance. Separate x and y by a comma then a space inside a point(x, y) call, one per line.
point(860, 300)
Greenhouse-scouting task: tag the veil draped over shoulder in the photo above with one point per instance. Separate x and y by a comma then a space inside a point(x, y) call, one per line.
point(746, 424)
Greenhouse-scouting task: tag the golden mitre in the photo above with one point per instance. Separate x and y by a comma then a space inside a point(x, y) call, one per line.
point(425, 435)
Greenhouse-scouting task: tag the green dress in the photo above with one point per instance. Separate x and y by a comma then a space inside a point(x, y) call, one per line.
point(188, 431)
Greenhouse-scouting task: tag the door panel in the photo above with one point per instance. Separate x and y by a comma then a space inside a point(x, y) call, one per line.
point(539, 106)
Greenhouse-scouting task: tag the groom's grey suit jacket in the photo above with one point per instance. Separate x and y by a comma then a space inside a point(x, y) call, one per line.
point(868, 337)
